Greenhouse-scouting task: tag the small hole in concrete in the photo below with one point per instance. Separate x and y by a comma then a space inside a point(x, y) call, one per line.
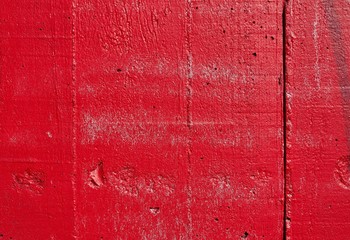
point(245, 235)
point(154, 210)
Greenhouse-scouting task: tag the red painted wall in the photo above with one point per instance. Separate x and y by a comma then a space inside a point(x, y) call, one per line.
point(131, 119)
point(318, 162)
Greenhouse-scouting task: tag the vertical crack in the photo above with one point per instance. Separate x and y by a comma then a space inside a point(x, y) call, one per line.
point(285, 118)
point(74, 122)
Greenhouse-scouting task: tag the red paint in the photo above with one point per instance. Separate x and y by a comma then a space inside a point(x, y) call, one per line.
point(318, 120)
point(163, 119)
point(36, 120)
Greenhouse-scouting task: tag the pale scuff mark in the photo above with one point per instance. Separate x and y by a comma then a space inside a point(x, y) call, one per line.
point(250, 140)
point(94, 127)
point(228, 139)
point(155, 66)
point(138, 67)
point(217, 72)
point(289, 123)
point(221, 184)
point(109, 126)
point(261, 178)
point(22, 138)
point(307, 139)
point(87, 89)
point(316, 45)
point(128, 182)
point(49, 134)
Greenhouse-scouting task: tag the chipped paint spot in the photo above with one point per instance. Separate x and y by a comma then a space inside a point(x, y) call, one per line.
point(154, 210)
point(49, 134)
point(96, 177)
point(342, 172)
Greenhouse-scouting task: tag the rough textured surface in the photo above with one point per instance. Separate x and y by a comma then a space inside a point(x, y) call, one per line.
point(36, 120)
point(318, 139)
point(142, 120)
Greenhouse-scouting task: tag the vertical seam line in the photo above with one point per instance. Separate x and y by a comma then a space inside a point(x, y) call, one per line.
point(189, 120)
point(74, 122)
point(284, 59)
